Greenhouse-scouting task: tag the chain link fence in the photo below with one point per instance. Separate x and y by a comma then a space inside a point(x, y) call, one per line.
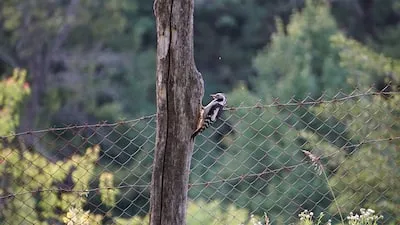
point(332, 155)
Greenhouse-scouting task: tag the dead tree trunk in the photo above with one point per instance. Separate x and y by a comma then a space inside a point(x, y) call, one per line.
point(179, 92)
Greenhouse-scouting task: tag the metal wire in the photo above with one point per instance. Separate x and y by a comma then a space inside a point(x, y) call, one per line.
point(260, 159)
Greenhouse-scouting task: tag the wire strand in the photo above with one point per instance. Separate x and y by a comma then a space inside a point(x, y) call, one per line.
point(205, 183)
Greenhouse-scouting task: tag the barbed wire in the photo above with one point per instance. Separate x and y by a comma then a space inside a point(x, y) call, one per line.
point(294, 102)
point(275, 103)
point(83, 126)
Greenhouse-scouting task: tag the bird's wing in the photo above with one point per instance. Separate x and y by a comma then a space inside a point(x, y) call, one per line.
point(216, 112)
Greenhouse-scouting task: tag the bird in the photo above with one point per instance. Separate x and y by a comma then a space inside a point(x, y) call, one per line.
point(210, 113)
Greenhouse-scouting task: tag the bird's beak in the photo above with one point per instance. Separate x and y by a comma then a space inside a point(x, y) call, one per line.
point(213, 96)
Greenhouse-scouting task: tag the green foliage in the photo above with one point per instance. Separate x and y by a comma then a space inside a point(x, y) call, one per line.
point(136, 220)
point(88, 61)
point(12, 92)
point(36, 181)
point(230, 215)
point(300, 60)
point(107, 190)
point(313, 46)
point(365, 176)
point(203, 213)
point(365, 66)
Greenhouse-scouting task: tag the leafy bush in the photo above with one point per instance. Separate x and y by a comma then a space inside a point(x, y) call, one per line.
point(12, 92)
point(43, 191)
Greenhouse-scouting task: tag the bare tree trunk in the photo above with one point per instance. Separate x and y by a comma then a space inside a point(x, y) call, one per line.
point(179, 92)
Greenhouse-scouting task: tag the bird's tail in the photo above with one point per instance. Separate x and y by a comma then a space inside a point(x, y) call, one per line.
point(195, 133)
point(207, 123)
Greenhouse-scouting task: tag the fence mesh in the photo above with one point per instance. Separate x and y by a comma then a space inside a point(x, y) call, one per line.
point(332, 155)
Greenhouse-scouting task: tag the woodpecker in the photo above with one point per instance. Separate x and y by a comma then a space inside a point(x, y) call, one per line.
point(210, 113)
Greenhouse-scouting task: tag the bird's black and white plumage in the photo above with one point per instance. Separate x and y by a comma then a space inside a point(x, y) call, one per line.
point(211, 112)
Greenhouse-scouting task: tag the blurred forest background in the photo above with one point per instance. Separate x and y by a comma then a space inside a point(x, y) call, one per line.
point(89, 61)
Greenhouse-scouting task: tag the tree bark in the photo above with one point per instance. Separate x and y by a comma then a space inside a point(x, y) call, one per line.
point(179, 93)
